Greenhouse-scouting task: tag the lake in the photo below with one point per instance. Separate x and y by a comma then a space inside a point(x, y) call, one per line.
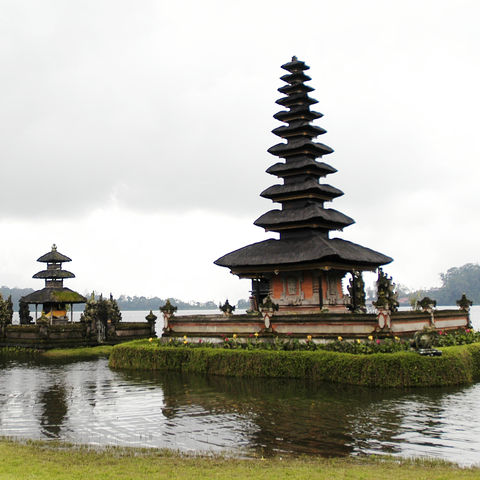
point(86, 402)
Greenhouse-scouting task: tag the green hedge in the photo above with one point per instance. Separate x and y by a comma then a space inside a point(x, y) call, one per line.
point(457, 365)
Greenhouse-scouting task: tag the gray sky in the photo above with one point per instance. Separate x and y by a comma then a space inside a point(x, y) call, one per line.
point(134, 134)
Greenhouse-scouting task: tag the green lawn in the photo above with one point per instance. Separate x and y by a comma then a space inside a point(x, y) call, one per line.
point(49, 461)
point(86, 352)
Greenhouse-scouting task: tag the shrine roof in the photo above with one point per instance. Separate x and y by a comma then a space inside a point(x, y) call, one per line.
point(309, 186)
point(54, 257)
point(54, 295)
point(300, 146)
point(54, 273)
point(309, 249)
point(300, 165)
point(312, 213)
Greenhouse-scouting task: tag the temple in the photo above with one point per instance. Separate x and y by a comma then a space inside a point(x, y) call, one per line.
point(302, 271)
point(54, 298)
point(297, 278)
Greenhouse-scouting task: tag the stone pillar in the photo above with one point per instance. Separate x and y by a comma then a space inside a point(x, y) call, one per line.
point(151, 318)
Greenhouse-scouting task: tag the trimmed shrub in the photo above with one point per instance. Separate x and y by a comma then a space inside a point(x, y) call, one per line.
point(457, 365)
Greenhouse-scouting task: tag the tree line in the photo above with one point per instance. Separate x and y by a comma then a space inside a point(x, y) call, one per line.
point(127, 302)
point(455, 282)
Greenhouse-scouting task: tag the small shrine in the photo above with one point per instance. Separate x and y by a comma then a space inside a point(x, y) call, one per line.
point(302, 271)
point(99, 324)
point(54, 298)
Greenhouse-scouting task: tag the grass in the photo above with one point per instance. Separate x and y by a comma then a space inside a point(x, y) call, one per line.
point(85, 352)
point(57, 461)
point(72, 354)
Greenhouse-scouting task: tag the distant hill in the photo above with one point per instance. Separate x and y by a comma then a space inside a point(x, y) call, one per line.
point(153, 303)
point(16, 294)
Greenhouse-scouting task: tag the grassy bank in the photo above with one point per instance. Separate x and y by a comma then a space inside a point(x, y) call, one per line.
point(83, 353)
point(51, 460)
point(457, 365)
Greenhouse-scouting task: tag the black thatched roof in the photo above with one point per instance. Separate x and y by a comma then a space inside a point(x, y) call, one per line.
point(327, 218)
point(295, 65)
point(54, 273)
point(314, 249)
point(296, 99)
point(303, 113)
point(298, 128)
point(54, 295)
point(295, 88)
point(54, 257)
point(305, 165)
point(309, 187)
point(296, 77)
point(301, 146)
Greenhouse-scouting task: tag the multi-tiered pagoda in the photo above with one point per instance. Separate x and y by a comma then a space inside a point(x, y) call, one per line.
point(54, 297)
point(302, 271)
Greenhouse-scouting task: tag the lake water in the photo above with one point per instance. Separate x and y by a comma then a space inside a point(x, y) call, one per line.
point(86, 402)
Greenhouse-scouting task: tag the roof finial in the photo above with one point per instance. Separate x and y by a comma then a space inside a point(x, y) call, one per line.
point(294, 58)
point(54, 248)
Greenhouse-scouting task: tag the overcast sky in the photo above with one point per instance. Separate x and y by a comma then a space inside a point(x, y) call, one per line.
point(134, 134)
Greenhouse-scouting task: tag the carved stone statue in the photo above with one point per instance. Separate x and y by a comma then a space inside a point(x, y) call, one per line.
point(356, 289)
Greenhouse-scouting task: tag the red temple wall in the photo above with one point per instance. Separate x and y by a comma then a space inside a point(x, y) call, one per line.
point(277, 287)
point(307, 285)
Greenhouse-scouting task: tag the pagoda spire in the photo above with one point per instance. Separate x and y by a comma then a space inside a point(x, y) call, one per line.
point(54, 274)
point(305, 247)
point(301, 195)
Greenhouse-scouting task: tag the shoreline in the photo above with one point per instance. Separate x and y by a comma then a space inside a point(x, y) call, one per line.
point(46, 460)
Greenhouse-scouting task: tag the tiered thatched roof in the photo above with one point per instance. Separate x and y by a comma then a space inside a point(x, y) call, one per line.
point(303, 221)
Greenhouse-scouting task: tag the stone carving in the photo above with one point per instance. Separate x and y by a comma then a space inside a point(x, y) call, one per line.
point(268, 308)
point(428, 305)
point(168, 311)
point(101, 317)
point(464, 303)
point(24, 313)
point(386, 294)
point(356, 289)
point(226, 308)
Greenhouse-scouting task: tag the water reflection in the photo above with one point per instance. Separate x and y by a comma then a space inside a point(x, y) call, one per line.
point(53, 404)
point(85, 402)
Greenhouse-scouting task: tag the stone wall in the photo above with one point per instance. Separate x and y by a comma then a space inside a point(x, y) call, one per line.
point(69, 335)
point(322, 326)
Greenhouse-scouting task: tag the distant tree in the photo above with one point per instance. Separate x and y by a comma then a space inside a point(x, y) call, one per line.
point(243, 303)
point(455, 282)
point(459, 280)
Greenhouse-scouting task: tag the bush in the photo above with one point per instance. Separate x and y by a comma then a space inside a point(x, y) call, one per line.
point(457, 337)
point(457, 365)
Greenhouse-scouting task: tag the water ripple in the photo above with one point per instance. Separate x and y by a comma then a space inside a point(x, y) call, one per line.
point(86, 402)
